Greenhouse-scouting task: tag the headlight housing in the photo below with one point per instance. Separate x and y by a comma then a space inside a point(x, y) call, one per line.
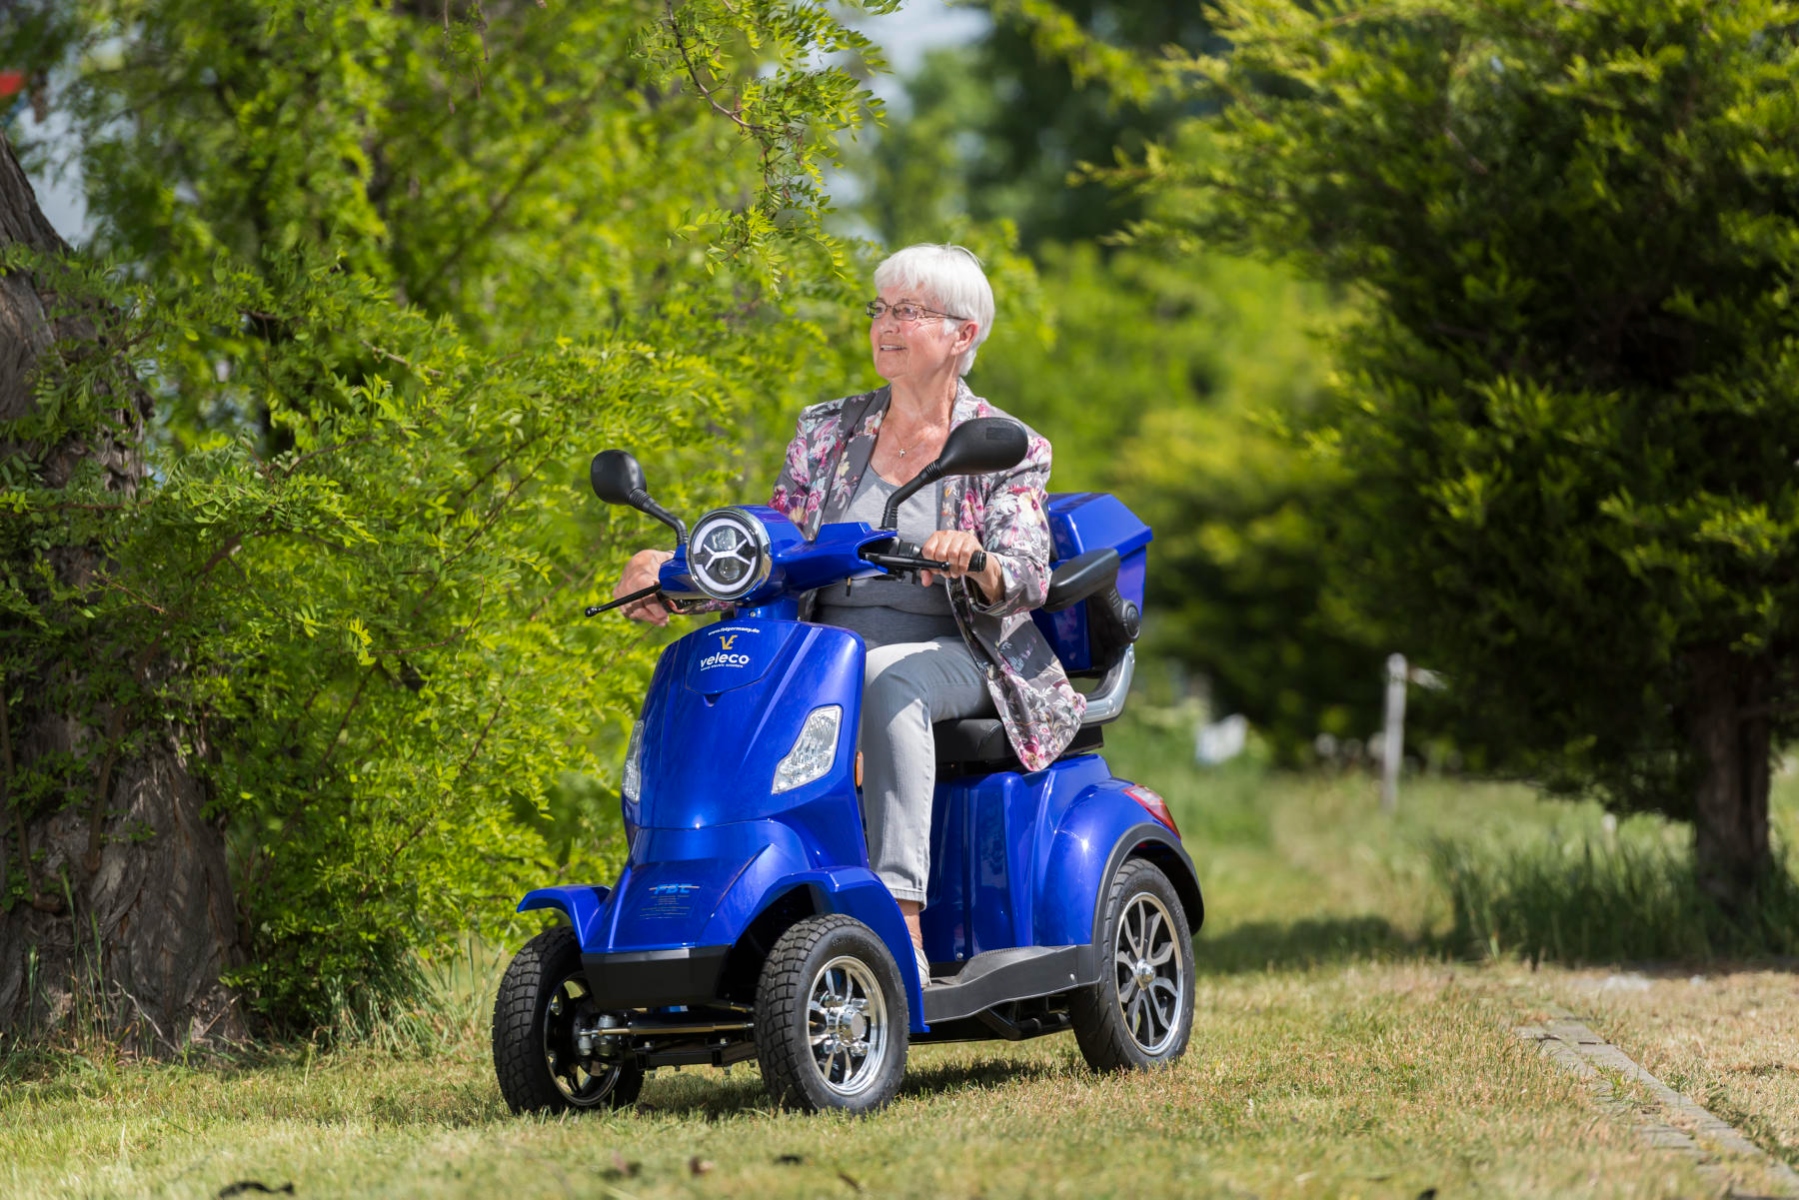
point(814, 751)
point(728, 554)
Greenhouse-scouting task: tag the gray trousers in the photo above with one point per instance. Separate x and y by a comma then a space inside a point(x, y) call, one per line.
point(908, 685)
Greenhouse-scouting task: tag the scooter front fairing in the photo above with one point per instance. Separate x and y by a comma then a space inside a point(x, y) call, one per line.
point(718, 829)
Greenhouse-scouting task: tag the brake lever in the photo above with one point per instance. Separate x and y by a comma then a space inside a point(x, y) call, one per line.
point(594, 610)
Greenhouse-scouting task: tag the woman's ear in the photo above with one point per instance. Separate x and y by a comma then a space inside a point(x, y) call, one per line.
point(966, 333)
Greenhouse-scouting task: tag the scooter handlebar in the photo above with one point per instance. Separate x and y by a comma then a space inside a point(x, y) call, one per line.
point(906, 556)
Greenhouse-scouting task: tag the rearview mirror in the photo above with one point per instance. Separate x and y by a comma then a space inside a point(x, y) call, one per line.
point(982, 445)
point(616, 477)
point(972, 448)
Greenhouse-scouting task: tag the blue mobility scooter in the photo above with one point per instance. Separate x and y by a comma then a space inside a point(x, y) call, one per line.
point(747, 924)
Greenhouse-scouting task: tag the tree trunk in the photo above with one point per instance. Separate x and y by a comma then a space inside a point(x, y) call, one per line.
point(127, 921)
point(1730, 728)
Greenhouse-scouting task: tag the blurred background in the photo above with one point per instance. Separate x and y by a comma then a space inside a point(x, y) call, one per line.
point(1448, 352)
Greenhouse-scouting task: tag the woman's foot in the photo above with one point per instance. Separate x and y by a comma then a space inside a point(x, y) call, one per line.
point(924, 965)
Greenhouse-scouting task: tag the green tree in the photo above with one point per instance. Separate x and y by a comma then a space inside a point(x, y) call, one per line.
point(1183, 386)
point(996, 128)
point(391, 274)
point(1570, 400)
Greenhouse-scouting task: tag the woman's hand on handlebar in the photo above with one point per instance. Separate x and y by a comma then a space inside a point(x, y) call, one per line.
point(641, 572)
point(957, 547)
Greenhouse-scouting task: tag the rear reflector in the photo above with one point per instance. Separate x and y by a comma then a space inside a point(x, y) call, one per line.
point(1154, 805)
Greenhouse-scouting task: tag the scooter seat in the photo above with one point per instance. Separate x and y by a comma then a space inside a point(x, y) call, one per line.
point(978, 745)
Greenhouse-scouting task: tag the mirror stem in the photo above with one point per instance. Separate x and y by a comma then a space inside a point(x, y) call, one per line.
point(926, 477)
point(641, 501)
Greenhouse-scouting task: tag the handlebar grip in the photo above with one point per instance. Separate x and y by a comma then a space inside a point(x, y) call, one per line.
point(977, 562)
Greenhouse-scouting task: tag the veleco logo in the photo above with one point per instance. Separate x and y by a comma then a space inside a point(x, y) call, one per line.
point(724, 660)
point(722, 657)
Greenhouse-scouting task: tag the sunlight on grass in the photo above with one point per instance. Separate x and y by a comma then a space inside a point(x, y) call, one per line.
point(1375, 1080)
point(1304, 869)
point(1359, 980)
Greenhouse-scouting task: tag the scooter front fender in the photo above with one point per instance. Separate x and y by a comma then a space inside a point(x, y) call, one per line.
point(857, 892)
point(580, 903)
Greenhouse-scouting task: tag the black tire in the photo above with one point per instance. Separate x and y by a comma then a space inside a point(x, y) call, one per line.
point(1149, 1026)
point(534, 1053)
point(842, 960)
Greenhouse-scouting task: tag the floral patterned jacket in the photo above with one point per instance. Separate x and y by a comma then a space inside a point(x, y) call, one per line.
point(1006, 510)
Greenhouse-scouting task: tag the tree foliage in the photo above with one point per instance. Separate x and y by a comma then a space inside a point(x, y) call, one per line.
point(1184, 387)
point(994, 130)
point(1569, 392)
point(392, 274)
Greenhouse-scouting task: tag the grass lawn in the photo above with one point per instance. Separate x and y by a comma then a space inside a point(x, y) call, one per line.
point(1346, 1043)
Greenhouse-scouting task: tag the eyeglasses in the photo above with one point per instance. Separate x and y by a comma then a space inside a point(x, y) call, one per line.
point(906, 313)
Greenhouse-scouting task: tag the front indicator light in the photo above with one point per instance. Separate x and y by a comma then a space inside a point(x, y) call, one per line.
point(632, 785)
point(814, 752)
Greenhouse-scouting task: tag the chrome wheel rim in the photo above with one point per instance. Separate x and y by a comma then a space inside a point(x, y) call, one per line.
point(1151, 967)
point(846, 1023)
point(568, 1071)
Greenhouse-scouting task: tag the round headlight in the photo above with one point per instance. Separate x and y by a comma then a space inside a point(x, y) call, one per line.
point(728, 554)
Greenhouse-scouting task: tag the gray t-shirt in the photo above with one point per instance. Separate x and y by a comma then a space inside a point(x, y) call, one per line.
point(886, 611)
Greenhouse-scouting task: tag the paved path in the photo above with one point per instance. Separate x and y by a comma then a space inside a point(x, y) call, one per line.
point(1573, 1045)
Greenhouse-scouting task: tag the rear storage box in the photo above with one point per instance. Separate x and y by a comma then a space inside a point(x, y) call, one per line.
point(1083, 521)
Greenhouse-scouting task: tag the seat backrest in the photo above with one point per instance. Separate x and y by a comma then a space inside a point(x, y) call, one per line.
point(1091, 636)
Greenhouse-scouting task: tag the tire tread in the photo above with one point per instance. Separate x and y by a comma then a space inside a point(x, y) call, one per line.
point(783, 987)
point(524, 1080)
point(1099, 1029)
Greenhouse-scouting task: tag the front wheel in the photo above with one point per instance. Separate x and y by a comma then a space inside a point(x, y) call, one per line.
point(1140, 1013)
point(543, 999)
point(831, 1018)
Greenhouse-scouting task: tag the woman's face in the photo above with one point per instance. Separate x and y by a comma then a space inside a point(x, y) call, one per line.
point(919, 350)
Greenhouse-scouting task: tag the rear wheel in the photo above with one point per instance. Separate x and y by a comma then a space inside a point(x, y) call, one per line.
point(543, 998)
point(1140, 1013)
point(831, 1018)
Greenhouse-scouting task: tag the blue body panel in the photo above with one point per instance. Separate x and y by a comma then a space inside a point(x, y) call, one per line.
point(991, 841)
point(1017, 859)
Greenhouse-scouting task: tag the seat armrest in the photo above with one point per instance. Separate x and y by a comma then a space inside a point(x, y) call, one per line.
point(1106, 701)
point(1081, 577)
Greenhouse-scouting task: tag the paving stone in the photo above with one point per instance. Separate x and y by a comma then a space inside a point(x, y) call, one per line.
point(1573, 1045)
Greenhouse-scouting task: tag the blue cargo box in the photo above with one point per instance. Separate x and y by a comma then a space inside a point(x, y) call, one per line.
point(1083, 521)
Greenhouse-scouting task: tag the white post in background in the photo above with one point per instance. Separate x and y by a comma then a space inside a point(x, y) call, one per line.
point(1393, 751)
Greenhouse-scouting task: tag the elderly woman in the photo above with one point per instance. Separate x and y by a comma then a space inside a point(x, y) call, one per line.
point(962, 643)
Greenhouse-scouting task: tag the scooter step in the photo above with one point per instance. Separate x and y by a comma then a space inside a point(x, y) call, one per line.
point(1001, 976)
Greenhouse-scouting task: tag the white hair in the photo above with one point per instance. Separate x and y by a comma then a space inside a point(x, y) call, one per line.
point(950, 277)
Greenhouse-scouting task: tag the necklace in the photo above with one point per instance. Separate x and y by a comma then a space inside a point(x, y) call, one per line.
point(916, 442)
